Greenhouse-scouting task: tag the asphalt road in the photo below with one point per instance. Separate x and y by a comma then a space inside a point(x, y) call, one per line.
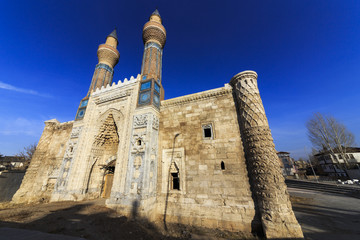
point(325, 215)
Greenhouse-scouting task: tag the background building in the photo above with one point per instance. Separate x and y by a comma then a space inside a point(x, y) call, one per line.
point(13, 163)
point(289, 168)
point(337, 165)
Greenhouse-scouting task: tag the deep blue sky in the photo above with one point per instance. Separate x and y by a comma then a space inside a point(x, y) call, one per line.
point(306, 53)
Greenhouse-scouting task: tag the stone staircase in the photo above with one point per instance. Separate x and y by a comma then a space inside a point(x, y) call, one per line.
point(347, 190)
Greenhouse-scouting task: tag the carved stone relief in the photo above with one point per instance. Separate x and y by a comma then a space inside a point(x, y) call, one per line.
point(138, 143)
point(69, 153)
point(107, 133)
point(76, 131)
point(140, 121)
point(137, 162)
point(63, 174)
point(155, 123)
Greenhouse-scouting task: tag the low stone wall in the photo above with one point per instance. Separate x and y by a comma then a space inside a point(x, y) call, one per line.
point(353, 173)
point(9, 184)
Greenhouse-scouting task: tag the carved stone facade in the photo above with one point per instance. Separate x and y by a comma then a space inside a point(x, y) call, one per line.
point(178, 161)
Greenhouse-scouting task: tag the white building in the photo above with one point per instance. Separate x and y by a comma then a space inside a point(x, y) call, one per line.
point(334, 164)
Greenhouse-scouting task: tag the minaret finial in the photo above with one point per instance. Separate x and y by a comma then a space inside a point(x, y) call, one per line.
point(113, 34)
point(156, 12)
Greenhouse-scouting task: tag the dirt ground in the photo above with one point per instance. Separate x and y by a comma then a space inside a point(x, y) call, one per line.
point(92, 220)
point(321, 216)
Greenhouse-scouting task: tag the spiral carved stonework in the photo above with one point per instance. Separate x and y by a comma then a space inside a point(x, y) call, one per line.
point(277, 217)
point(108, 55)
point(154, 31)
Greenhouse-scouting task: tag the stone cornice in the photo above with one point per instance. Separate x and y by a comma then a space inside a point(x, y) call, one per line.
point(227, 89)
point(243, 75)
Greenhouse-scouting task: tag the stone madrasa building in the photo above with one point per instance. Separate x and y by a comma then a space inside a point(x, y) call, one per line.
point(205, 159)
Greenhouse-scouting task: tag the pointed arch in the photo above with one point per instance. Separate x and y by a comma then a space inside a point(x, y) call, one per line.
point(104, 150)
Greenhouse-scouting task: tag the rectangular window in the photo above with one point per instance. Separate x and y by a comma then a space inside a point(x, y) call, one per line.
point(208, 131)
point(175, 181)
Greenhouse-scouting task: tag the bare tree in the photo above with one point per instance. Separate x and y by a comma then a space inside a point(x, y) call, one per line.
point(28, 152)
point(327, 134)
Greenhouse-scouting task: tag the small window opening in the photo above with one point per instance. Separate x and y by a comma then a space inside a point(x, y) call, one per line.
point(207, 131)
point(175, 181)
point(111, 169)
point(139, 142)
point(222, 165)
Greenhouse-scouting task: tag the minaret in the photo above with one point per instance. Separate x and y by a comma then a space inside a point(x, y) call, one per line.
point(154, 37)
point(268, 184)
point(140, 181)
point(108, 57)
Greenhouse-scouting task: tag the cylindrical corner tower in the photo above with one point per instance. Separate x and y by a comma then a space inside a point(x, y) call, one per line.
point(108, 57)
point(268, 184)
point(154, 37)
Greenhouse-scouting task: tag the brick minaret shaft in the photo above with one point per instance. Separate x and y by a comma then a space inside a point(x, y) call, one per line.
point(154, 37)
point(268, 184)
point(108, 57)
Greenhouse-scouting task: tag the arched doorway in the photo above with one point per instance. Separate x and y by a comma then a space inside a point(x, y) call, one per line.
point(103, 159)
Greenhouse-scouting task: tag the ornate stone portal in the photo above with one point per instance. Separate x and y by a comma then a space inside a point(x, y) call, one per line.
point(266, 179)
point(185, 160)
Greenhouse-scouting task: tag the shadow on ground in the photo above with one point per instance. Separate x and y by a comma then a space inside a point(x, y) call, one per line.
point(87, 220)
point(92, 220)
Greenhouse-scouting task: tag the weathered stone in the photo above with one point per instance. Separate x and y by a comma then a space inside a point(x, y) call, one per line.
point(40, 177)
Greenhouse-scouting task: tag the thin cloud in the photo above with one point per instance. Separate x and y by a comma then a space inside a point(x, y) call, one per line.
point(21, 126)
point(22, 90)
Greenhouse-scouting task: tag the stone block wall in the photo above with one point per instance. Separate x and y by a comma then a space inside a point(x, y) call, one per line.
point(209, 196)
point(40, 177)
